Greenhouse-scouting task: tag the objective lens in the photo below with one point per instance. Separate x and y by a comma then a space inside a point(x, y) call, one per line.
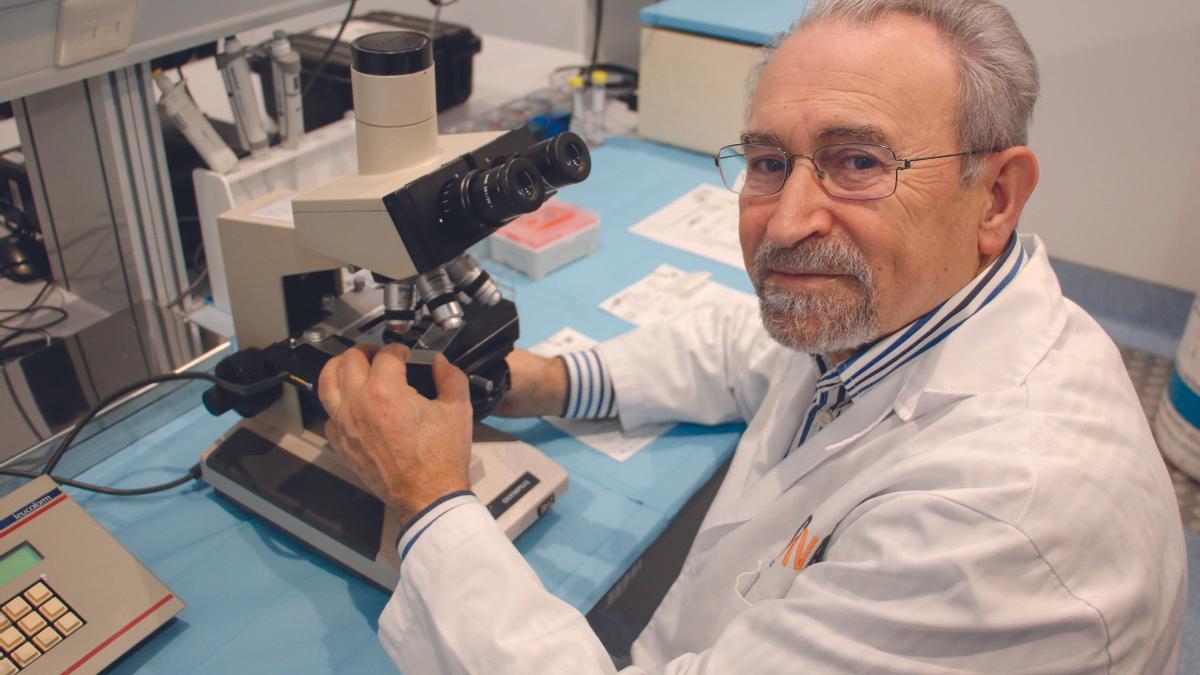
point(562, 160)
point(438, 291)
point(473, 280)
point(501, 193)
point(400, 301)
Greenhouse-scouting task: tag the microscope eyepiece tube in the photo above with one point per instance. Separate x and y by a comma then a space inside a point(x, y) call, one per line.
point(563, 159)
point(473, 280)
point(497, 195)
point(438, 292)
point(395, 100)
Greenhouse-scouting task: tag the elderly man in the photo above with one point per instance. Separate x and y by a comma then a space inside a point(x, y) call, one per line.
point(945, 467)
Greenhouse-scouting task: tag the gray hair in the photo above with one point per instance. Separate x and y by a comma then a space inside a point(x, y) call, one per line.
point(997, 74)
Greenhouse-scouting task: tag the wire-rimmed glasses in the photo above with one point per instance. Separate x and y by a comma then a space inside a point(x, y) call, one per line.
point(846, 170)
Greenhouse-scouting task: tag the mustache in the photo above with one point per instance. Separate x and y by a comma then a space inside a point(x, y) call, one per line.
point(829, 256)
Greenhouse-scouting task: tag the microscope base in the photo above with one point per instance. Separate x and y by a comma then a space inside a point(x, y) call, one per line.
point(296, 483)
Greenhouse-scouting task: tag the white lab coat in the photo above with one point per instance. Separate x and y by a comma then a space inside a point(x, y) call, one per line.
point(996, 505)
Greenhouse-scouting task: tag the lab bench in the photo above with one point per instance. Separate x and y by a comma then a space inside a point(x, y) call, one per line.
point(259, 601)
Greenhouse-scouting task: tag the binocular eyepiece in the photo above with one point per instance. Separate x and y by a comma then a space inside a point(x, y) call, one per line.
point(444, 212)
point(563, 159)
point(520, 183)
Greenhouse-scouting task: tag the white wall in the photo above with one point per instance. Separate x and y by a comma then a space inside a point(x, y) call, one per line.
point(1116, 133)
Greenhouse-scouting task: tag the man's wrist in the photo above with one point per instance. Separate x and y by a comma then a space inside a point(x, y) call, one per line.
point(409, 506)
point(427, 516)
point(558, 387)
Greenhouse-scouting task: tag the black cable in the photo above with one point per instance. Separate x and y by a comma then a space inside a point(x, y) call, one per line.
point(254, 388)
point(596, 36)
point(328, 50)
point(114, 397)
point(36, 299)
point(187, 292)
point(20, 331)
point(192, 474)
point(31, 308)
point(62, 316)
point(23, 349)
point(437, 16)
point(15, 219)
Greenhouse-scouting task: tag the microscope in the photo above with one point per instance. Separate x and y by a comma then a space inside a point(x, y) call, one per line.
point(408, 215)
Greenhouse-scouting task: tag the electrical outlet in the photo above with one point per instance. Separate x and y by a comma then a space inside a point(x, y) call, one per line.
point(91, 28)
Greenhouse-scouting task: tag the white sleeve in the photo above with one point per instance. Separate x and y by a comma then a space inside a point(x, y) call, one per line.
point(916, 584)
point(710, 366)
point(467, 602)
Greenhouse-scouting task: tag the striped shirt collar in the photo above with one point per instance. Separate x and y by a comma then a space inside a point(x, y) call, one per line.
point(867, 368)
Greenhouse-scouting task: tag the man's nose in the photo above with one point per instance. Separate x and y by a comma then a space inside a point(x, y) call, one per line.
point(802, 209)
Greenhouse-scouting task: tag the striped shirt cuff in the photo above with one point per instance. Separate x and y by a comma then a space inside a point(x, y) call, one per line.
point(590, 393)
point(428, 516)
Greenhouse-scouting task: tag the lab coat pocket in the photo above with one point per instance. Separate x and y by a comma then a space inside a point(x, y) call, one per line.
point(745, 581)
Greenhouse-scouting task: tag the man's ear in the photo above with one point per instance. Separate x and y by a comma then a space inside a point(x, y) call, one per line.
point(1009, 177)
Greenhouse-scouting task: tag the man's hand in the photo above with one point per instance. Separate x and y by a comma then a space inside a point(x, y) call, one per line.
point(405, 448)
point(539, 386)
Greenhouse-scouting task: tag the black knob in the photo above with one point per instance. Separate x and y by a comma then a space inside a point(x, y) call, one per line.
point(396, 52)
point(216, 402)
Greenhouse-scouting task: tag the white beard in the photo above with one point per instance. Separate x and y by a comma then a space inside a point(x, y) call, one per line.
point(841, 323)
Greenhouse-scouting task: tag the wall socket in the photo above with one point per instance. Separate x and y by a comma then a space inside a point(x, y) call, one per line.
point(91, 28)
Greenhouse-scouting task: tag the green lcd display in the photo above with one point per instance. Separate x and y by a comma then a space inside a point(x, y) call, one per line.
point(16, 561)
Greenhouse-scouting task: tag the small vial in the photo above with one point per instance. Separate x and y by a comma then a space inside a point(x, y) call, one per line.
point(599, 101)
point(580, 115)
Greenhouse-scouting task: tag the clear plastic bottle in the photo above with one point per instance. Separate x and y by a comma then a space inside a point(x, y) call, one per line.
point(580, 114)
point(599, 99)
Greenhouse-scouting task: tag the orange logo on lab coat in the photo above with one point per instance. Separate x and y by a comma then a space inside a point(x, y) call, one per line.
point(800, 548)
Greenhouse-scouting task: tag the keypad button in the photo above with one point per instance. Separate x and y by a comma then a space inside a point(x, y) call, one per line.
point(38, 593)
point(47, 638)
point(4, 622)
point(11, 637)
point(25, 654)
point(66, 625)
point(7, 667)
point(16, 608)
point(32, 623)
point(53, 608)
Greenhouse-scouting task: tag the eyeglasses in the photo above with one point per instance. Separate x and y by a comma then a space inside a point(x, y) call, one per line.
point(846, 170)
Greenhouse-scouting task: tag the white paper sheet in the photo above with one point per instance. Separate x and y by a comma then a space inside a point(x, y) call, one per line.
point(704, 221)
point(604, 436)
point(667, 292)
